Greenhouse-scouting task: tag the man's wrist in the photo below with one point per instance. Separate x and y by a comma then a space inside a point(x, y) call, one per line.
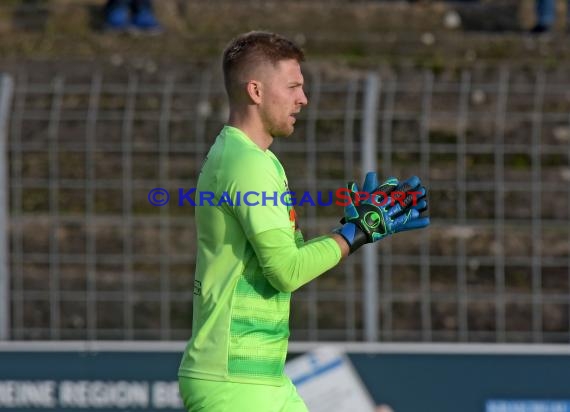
point(342, 244)
point(353, 236)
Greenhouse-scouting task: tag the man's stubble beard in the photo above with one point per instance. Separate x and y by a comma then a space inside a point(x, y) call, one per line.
point(284, 131)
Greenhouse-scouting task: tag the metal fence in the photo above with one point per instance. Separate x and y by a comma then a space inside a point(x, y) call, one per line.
point(90, 258)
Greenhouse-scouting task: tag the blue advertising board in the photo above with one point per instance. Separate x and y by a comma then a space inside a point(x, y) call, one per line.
point(93, 381)
point(138, 376)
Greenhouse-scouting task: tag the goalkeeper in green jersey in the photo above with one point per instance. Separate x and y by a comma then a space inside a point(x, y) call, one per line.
point(251, 255)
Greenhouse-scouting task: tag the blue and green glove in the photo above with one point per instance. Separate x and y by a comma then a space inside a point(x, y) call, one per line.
point(376, 212)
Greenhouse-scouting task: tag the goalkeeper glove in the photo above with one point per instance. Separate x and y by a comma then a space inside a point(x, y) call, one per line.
point(379, 211)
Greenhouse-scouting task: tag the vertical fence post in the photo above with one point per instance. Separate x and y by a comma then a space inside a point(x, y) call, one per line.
point(368, 157)
point(536, 208)
point(6, 91)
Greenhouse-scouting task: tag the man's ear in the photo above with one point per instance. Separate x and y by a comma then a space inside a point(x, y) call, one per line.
point(254, 91)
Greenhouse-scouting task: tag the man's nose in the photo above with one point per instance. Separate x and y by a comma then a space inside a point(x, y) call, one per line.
point(303, 99)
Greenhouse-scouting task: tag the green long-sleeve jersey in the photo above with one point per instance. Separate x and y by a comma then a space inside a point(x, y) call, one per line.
point(250, 258)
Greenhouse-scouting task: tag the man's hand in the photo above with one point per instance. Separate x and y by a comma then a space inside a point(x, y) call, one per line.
point(380, 211)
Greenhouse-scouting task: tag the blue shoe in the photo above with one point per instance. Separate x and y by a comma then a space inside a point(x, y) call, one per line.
point(144, 20)
point(117, 19)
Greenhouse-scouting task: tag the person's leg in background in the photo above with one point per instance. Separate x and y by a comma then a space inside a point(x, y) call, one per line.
point(143, 16)
point(545, 14)
point(117, 15)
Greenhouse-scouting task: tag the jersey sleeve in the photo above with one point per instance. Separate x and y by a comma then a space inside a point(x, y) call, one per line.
point(286, 260)
point(287, 266)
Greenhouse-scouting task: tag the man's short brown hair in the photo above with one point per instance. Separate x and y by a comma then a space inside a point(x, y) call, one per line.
point(253, 48)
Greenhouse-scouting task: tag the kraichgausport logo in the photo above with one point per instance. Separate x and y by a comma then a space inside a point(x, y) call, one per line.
point(339, 197)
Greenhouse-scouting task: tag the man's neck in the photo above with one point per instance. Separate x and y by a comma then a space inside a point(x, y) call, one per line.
point(253, 130)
